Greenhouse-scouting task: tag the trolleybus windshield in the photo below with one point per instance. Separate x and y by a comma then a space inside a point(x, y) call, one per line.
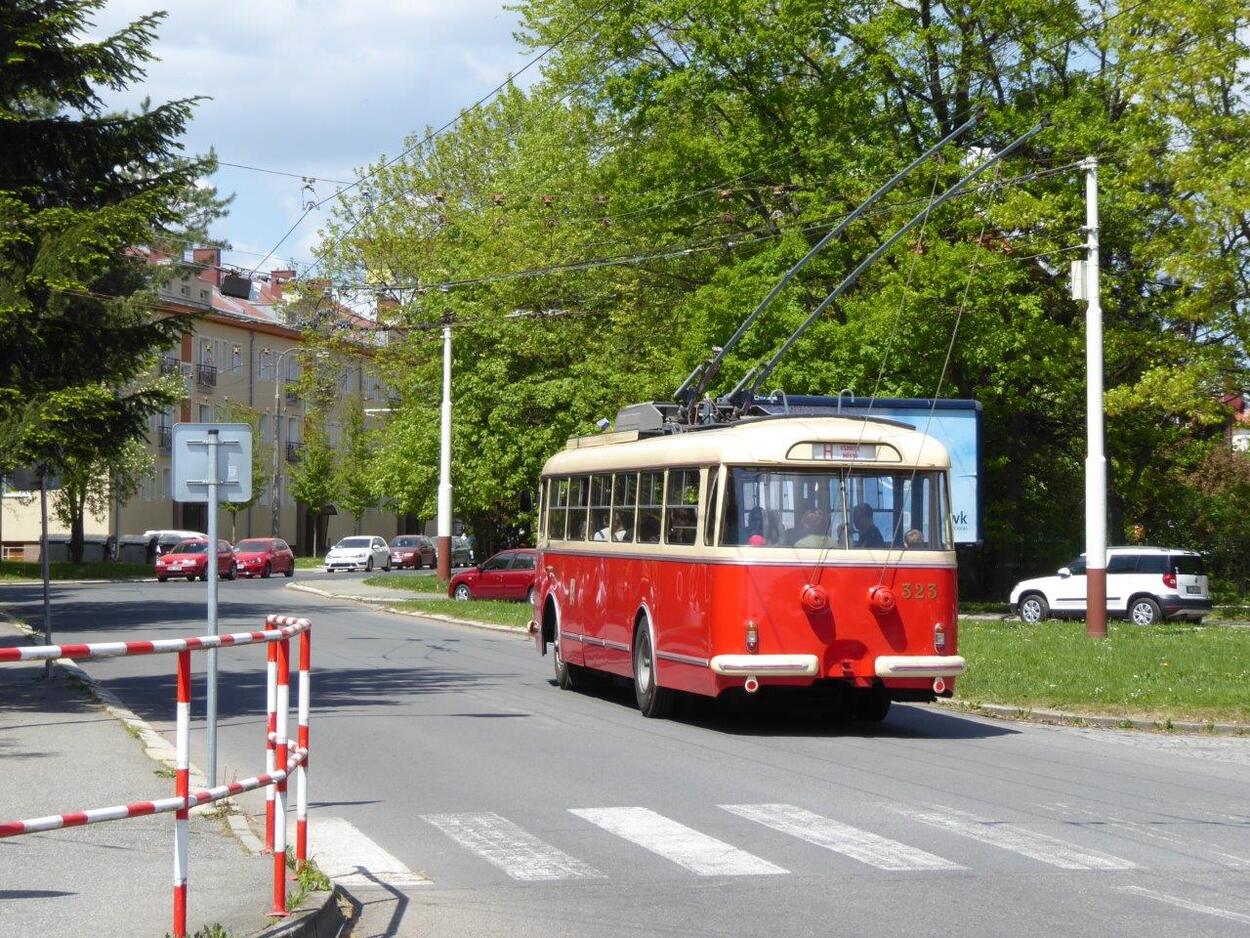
point(836, 509)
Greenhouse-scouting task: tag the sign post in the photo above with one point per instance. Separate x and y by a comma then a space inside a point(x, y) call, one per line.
point(212, 462)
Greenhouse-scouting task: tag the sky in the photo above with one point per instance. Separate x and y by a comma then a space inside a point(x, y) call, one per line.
point(318, 88)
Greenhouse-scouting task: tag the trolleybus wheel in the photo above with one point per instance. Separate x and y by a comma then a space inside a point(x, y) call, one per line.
point(871, 705)
point(568, 676)
point(654, 701)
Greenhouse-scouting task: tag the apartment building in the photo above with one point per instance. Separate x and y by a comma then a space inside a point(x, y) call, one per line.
point(241, 350)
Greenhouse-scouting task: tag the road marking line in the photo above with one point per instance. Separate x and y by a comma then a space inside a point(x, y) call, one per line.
point(686, 847)
point(519, 854)
point(1142, 829)
point(1019, 840)
point(1187, 904)
point(873, 849)
point(348, 857)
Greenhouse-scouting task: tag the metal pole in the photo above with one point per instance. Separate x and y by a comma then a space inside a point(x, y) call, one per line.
point(44, 569)
point(444, 463)
point(211, 717)
point(1095, 459)
point(275, 505)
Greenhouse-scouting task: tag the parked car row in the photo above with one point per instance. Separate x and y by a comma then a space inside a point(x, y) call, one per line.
point(257, 556)
point(365, 552)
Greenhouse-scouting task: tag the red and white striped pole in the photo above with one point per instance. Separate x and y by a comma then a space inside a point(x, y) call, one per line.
point(182, 790)
point(279, 799)
point(301, 773)
point(271, 693)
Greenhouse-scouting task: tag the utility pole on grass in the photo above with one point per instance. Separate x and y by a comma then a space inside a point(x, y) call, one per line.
point(444, 460)
point(1085, 285)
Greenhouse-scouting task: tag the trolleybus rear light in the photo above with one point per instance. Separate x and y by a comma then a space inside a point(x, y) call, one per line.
point(753, 638)
point(939, 686)
point(751, 685)
point(939, 638)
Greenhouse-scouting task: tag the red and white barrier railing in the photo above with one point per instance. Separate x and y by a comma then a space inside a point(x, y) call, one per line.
point(281, 758)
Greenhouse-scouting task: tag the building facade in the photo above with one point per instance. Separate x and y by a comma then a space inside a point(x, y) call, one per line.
point(242, 350)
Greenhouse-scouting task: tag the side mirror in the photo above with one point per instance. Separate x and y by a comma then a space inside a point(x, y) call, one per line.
point(1065, 572)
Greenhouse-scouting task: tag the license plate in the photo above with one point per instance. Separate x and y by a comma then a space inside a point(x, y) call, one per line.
point(1192, 589)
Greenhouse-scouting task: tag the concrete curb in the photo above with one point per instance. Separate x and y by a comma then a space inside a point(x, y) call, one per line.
point(301, 588)
point(321, 917)
point(39, 582)
point(1102, 721)
point(434, 616)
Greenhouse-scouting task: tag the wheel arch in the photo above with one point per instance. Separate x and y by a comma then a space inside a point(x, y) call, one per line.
point(1144, 594)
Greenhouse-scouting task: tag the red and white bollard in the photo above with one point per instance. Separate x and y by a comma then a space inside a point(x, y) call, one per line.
point(271, 693)
point(279, 796)
point(182, 790)
point(301, 773)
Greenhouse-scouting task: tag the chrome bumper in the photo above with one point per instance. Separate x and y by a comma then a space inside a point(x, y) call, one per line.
point(774, 665)
point(920, 665)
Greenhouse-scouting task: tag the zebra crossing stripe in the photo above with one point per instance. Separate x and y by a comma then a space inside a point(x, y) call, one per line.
point(1041, 847)
point(519, 854)
point(697, 852)
point(872, 849)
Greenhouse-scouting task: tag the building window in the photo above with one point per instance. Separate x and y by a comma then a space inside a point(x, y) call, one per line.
point(167, 486)
point(292, 429)
point(236, 360)
point(206, 352)
point(206, 413)
point(266, 365)
point(264, 428)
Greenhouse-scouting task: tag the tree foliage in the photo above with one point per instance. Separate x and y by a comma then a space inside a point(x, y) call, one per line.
point(693, 151)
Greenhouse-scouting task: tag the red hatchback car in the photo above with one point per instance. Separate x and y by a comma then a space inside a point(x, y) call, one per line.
point(190, 559)
point(261, 556)
point(508, 575)
point(412, 550)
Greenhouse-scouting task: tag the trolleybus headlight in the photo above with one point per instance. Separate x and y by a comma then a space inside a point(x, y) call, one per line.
point(753, 638)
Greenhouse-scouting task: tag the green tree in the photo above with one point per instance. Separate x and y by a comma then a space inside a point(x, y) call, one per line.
point(85, 196)
point(95, 485)
point(313, 479)
point(356, 492)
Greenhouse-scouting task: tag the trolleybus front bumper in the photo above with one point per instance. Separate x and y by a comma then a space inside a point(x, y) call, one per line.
point(920, 665)
point(771, 665)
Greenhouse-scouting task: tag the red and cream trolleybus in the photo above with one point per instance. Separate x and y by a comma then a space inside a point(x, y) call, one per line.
point(770, 551)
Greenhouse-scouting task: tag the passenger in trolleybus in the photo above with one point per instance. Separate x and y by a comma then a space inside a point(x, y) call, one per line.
point(813, 529)
point(867, 534)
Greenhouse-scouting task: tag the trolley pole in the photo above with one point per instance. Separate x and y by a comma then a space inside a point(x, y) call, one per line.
point(444, 461)
point(211, 703)
point(1095, 458)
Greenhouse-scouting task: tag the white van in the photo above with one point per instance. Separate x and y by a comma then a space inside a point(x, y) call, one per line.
point(1144, 585)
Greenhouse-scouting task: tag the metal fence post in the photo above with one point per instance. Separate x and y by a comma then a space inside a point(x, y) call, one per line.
point(271, 691)
point(301, 774)
point(182, 790)
point(279, 800)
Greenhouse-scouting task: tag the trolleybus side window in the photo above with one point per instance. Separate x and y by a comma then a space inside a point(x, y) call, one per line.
point(682, 511)
point(579, 494)
point(709, 510)
point(557, 510)
point(624, 505)
point(650, 506)
point(600, 508)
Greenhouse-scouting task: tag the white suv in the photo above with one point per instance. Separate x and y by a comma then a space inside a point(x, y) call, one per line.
point(1144, 585)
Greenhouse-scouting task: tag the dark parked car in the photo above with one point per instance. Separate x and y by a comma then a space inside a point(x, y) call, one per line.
point(508, 575)
point(190, 559)
point(412, 550)
point(461, 551)
point(261, 556)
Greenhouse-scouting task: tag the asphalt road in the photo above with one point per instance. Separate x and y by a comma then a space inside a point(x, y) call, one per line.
point(534, 811)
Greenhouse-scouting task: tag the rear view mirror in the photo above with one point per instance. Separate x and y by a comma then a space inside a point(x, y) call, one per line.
point(1064, 571)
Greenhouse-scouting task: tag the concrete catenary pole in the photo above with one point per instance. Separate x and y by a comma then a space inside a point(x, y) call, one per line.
point(210, 723)
point(1095, 458)
point(444, 461)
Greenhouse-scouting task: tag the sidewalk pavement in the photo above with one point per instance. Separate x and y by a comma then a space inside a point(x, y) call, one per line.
point(63, 752)
point(364, 592)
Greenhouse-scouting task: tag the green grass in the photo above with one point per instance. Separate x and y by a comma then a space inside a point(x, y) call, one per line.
point(1163, 672)
point(309, 563)
point(63, 570)
point(412, 583)
point(966, 606)
point(494, 611)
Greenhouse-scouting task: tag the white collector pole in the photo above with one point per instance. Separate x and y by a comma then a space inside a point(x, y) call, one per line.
point(444, 462)
point(1095, 458)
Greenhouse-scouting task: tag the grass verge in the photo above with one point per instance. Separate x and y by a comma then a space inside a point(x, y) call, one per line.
point(411, 583)
point(493, 611)
point(309, 563)
point(63, 570)
point(1164, 672)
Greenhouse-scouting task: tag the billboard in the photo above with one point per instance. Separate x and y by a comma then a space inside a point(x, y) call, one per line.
point(956, 424)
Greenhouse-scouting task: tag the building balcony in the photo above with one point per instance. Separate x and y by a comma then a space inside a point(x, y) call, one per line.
point(165, 438)
point(292, 394)
point(206, 376)
point(170, 365)
point(292, 450)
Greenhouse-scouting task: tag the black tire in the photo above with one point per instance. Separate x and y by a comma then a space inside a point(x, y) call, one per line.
point(462, 592)
point(1034, 608)
point(871, 704)
point(369, 565)
point(386, 567)
point(191, 578)
point(231, 573)
point(161, 579)
point(1144, 610)
point(289, 571)
point(266, 571)
point(529, 597)
point(568, 676)
point(654, 702)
